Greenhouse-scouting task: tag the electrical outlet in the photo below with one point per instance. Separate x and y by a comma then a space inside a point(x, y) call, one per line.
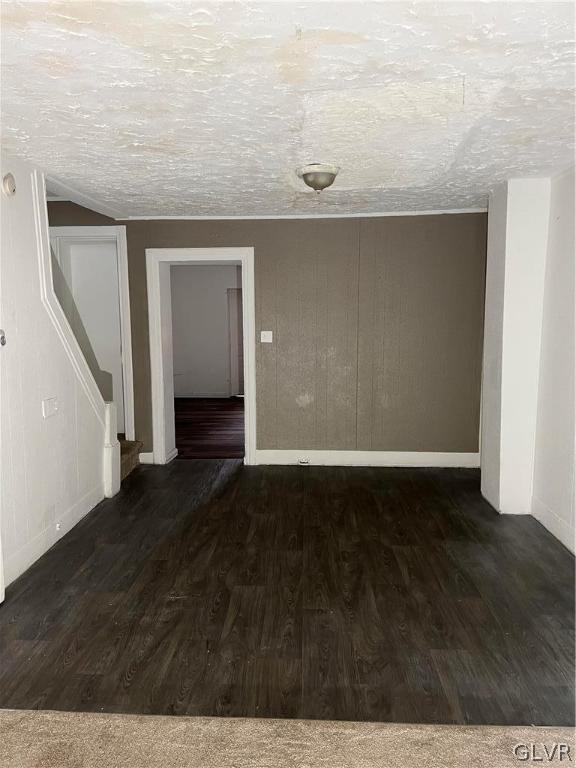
point(58, 526)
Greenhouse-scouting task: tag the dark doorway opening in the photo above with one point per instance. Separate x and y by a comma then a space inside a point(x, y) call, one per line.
point(209, 428)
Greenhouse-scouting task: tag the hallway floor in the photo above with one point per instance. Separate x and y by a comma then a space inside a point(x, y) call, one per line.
point(210, 588)
point(209, 428)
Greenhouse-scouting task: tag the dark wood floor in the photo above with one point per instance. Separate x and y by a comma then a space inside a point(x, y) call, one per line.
point(209, 428)
point(210, 588)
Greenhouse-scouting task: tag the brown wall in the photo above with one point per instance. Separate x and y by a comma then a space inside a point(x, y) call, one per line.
point(377, 325)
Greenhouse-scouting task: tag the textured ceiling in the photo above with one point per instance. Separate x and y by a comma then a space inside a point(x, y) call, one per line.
point(207, 108)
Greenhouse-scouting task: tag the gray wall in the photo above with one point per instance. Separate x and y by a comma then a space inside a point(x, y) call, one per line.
point(377, 325)
point(201, 329)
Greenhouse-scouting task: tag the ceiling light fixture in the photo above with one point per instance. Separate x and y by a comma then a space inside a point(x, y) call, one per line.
point(318, 175)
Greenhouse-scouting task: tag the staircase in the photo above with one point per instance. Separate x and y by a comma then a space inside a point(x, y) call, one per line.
point(129, 455)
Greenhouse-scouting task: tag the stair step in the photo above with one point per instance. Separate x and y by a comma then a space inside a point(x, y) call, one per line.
point(129, 456)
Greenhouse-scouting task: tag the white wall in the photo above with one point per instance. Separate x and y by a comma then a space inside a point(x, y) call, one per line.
point(555, 458)
point(528, 432)
point(200, 329)
point(518, 214)
point(90, 268)
point(492, 362)
point(527, 216)
point(51, 469)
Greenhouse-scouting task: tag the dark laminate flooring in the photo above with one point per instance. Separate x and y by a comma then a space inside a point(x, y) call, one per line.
point(209, 588)
point(209, 428)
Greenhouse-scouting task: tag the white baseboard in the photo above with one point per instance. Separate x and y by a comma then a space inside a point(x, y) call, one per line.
point(367, 458)
point(23, 558)
point(558, 527)
point(148, 458)
point(171, 455)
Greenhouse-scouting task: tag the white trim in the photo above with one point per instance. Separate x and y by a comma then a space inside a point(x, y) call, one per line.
point(60, 189)
point(306, 215)
point(233, 296)
point(171, 455)
point(367, 458)
point(116, 234)
point(93, 232)
point(146, 458)
point(126, 333)
point(204, 256)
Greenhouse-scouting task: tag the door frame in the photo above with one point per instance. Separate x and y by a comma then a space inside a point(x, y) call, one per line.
point(117, 235)
point(158, 262)
point(233, 359)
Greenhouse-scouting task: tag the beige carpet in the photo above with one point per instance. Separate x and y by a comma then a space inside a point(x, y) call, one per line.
point(77, 740)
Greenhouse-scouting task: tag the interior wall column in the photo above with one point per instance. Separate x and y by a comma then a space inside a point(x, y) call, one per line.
point(518, 217)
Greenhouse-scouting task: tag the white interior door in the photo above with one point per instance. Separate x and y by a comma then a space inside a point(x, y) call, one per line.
point(90, 268)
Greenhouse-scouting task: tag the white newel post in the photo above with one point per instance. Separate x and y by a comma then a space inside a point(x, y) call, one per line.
point(111, 463)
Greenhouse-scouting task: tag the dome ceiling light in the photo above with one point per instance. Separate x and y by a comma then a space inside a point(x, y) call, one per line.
point(318, 175)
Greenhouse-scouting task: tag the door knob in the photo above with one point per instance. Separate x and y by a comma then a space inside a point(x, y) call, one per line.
point(2, 338)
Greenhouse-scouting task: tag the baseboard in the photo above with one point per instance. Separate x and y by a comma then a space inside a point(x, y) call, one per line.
point(171, 455)
point(148, 458)
point(554, 523)
point(23, 558)
point(205, 396)
point(367, 458)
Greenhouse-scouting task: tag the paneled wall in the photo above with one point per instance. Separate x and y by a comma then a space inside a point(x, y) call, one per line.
point(377, 326)
point(420, 310)
point(307, 289)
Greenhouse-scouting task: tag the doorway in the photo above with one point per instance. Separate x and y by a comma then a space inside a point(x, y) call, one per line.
point(207, 350)
point(240, 370)
point(90, 276)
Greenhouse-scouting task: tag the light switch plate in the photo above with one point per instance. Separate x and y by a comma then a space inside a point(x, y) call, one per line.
point(266, 337)
point(49, 407)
